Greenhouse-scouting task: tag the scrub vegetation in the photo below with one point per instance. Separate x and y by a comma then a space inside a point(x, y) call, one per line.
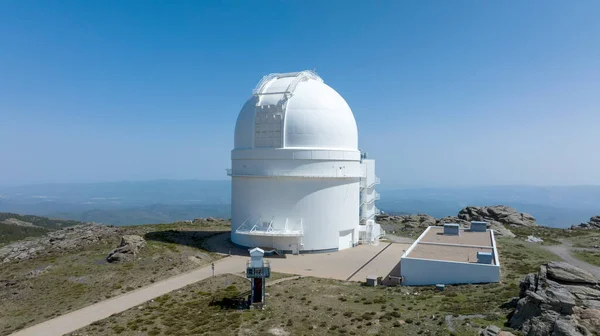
point(47, 286)
point(518, 258)
point(551, 236)
point(35, 290)
point(313, 306)
point(589, 257)
point(15, 227)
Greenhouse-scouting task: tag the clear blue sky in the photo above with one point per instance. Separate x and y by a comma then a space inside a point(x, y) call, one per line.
point(444, 92)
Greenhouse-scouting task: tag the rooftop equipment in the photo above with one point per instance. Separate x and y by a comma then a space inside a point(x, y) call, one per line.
point(451, 229)
point(478, 226)
point(485, 257)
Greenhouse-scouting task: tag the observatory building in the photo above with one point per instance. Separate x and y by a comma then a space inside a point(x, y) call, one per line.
point(299, 182)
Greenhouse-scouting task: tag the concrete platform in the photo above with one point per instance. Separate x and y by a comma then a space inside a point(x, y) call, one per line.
point(350, 264)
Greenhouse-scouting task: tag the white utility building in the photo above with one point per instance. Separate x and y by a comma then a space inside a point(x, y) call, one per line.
point(299, 182)
point(450, 254)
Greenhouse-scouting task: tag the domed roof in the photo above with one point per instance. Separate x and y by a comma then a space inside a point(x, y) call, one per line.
point(295, 110)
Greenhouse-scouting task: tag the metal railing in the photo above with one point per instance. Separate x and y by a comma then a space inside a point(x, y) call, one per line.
point(363, 182)
point(300, 76)
point(265, 263)
point(263, 271)
point(260, 228)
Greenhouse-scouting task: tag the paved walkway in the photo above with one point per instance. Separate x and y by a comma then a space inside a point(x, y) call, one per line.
point(564, 251)
point(80, 318)
point(350, 264)
point(343, 265)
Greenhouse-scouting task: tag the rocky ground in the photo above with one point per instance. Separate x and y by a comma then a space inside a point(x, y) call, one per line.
point(71, 238)
point(93, 262)
point(560, 299)
point(500, 218)
point(593, 224)
point(68, 269)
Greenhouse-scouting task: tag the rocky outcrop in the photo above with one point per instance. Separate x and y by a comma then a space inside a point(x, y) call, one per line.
point(208, 221)
point(498, 213)
point(499, 217)
point(129, 248)
point(70, 238)
point(567, 273)
point(593, 224)
point(409, 221)
point(560, 300)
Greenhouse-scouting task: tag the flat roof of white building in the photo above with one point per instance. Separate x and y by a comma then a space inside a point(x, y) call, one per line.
point(433, 244)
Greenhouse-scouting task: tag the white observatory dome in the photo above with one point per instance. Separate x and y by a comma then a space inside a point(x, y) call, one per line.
point(298, 181)
point(309, 112)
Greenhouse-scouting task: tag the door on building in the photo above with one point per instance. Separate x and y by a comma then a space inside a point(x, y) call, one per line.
point(295, 249)
point(258, 289)
point(345, 240)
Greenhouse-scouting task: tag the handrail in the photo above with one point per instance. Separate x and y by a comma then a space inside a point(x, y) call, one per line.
point(260, 228)
point(262, 83)
point(300, 76)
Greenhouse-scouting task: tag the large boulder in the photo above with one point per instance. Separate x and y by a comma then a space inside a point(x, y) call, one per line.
point(67, 239)
point(129, 248)
point(560, 299)
point(566, 273)
point(498, 218)
point(412, 221)
point(593, 224)
point(406, 223)
point(498, 213)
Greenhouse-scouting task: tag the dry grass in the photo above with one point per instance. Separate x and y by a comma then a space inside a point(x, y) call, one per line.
point(588, 256)
point(518, 258)
point(590, 240)
point(313, 306)
point(308, 306)
point(79, 278)
point(550, 235)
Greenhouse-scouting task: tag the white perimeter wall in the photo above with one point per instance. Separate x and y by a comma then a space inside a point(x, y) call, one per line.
point(418, 272)
point(325, 205)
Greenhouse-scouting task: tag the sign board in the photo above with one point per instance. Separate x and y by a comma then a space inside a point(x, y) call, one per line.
point(258, 272)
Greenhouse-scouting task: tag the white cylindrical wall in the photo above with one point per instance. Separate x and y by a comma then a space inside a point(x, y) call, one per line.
point(327, 207)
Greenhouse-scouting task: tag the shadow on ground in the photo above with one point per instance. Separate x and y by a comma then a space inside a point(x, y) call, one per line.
point(212, 241)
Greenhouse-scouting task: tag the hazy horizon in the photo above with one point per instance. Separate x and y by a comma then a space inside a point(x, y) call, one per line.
point(136, 202)
point(455, 94)
point(382, 186)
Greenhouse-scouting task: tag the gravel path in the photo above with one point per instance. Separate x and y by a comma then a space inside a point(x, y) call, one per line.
point(564, 251)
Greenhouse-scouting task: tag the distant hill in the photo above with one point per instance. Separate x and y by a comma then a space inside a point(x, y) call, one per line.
point(161, 201)
point(150, 214)
point(16, 227)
